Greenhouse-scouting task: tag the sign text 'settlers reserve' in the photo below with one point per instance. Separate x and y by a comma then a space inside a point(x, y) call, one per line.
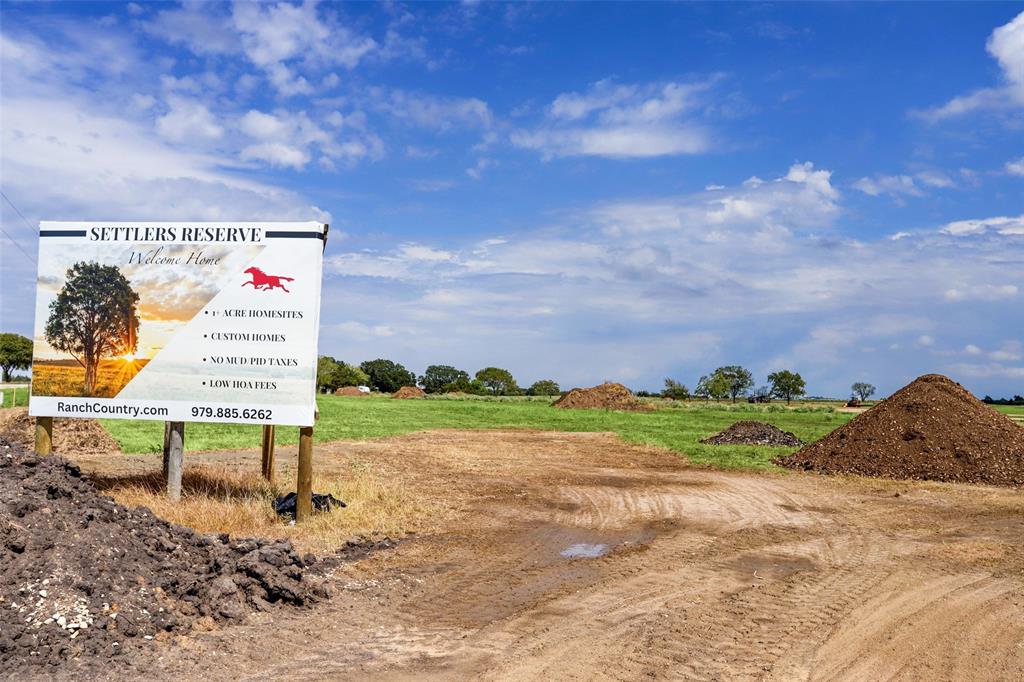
point(176, 234)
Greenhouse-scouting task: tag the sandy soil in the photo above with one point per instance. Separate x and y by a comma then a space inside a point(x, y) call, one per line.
point(699, 574)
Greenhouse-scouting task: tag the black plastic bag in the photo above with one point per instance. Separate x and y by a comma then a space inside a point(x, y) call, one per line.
point(285, 504)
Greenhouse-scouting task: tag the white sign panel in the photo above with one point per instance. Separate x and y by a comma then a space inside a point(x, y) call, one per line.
point(213, 322)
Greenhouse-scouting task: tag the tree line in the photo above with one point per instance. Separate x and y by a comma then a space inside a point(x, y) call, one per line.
point(388, 376)
point(734, 381)
point(729, 382)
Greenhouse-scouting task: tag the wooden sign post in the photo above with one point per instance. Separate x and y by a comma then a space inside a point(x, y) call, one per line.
point(174, 457)
point(268, 453)
point(304, 484)
point(44, 435)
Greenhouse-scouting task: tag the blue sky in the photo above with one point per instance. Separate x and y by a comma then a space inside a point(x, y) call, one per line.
point(575, 191)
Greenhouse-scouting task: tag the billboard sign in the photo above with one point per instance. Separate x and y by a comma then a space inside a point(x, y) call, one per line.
point(178, 321)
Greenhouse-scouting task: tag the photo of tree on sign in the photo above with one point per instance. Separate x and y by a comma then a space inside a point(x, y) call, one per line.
point(94, 319)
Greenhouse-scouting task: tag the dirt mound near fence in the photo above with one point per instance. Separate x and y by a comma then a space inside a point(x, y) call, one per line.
point(82, 577)
point(350, 391)
point(753, 433)
point(931, 429)
point(406, 392)
point(70, 436)
point(609, 395)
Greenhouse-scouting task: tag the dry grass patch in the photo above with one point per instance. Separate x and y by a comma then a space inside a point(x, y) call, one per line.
point(223, 499)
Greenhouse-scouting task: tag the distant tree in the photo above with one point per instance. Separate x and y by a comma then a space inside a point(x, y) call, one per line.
point(94, 316)
point(863, 390)
point(15, 353)
point(387, 376)
point(675, 390)
point(761, 394)
point(730, 381)
point(326, 369)
point(787, 385)
point(443, 379)
point(333, 374)
point(703, 387)
point(544, 387)
point(498, 381)
point(477, 387)
point(350, 375)
point(713, 385)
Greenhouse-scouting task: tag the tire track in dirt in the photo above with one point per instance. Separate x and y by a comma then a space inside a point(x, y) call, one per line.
point(708, 575)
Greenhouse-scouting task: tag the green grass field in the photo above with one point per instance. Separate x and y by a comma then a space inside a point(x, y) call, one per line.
point(15, 397)
point(678, 428)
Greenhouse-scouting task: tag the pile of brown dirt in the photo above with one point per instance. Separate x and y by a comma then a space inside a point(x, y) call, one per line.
point(753, 433)
point(70, 436)
point(932, 429)
point(350, 391)
point(609, 395)
point(84, 578)
point(406, 392)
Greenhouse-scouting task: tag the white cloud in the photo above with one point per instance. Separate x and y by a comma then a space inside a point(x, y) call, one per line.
point(1004, 225)
point(935, 178)
point(288, 42)
point(432, 185)
point(623, 121)
point(288, 139)
point(477, 170)
point(982, 292)
point(925, 340)
point(195, 26)
point(418, 252)
point(1015, 166)
point(986, 371)
point(804, 198)
point(187, 120)
point(905, 185)
point(971, 349)
point(1006, 46)
point(353, 328)
point(431, 111)
point(888, 184)
point(276, 154)
point(1011, 351)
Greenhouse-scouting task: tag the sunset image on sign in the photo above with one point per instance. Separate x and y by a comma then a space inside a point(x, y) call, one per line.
point(94, 320)
point(103, 313)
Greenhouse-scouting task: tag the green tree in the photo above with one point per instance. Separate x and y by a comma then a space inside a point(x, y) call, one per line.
point(443, 379)
point(731, 381)
point(498, 381)
point(863, 390)
point(326, 367)
point(94, 316)
point(787, 385)
point(544, 387)
point(675, 390)
point(350, 375)
point(15, 353)
point(387, 376)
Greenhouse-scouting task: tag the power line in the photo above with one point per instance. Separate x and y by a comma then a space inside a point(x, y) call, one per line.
point(29, 226)
point(23, 252)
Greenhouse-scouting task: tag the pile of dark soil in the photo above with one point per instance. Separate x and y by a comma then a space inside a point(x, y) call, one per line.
point(82, 577)
point(407, 392)
point(932, 429)
point(350, 391)
point(609, 395)
point(70, 436)
point(753, 433)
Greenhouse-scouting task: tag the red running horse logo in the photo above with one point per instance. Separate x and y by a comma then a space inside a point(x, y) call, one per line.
point(261, 280)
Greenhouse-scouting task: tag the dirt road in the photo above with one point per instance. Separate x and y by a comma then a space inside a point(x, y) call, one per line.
point(575, 556)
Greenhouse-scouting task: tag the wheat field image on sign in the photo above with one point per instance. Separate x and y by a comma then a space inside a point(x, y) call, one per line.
point(105, 313)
